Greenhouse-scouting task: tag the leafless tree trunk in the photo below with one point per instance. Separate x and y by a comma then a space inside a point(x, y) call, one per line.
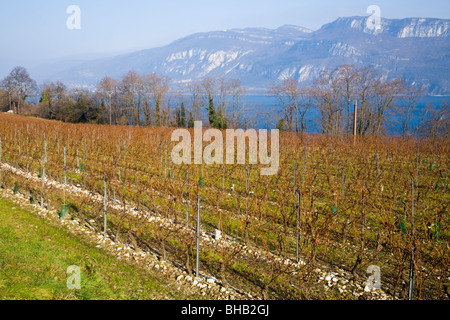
point(19, 84)
point(294, 101)
point(407, 107)
point(108, 86)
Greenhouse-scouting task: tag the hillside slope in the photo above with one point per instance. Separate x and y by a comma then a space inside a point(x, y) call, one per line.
point(416, 49)
point(36, 252)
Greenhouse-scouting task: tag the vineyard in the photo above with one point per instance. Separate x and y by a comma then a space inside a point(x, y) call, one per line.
point(336, 201)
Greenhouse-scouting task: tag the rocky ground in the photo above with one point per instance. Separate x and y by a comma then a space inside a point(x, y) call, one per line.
point(332, 279)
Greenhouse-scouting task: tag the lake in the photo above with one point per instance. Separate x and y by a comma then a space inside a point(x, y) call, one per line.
point(264, 112)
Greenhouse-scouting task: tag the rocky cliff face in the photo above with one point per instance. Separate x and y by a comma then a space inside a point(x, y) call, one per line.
point(404, 28)
point(416, 49)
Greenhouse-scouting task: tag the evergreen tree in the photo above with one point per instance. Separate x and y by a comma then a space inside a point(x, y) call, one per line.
point(220, 120)
point(157, 114)
point(177, 117)
point(281, 124)
point(182, 116)
point(190, 123)
point(46, 98)
point(211, 112)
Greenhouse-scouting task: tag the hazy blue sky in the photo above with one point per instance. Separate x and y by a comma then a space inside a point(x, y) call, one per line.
point(32, 30)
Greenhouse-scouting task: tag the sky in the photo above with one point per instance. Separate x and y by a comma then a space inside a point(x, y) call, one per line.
point(34, 32)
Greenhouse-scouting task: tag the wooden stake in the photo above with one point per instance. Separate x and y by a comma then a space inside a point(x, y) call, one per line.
point(105, 207)
point(198, 237)
point(298, 225)
point(354, 122)
point(43, 172)
point(187, 198)
point(413, 250)
point(0, 160)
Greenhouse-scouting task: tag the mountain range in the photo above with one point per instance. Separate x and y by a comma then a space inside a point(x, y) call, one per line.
point(416, 49)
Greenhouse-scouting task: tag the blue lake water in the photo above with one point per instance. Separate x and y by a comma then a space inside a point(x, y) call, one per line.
point(264, 112)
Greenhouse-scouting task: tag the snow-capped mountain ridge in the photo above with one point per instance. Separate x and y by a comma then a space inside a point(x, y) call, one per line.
point(416, 49)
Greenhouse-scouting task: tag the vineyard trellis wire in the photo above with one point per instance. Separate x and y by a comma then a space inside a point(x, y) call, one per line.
point(255, 211)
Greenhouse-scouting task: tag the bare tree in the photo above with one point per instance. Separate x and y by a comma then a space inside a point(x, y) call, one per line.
point(306, 102)
point(335, 89)
point(367, 81)
point(237, 106)
point(295, 102)
point(212, 96)
point(4, 100)
point(53, 99)
point(287, 93)
point(330, 98)
point(19, 83)
point(180, 110)
point(108, 86)
point(8, 85)
point(437, 121)
point(195, 91)
point(386, 95)
point(349, 77)
point(407, 106)
point(222, 105)
point(209, 87)
point(156, 88)
point(129, 90)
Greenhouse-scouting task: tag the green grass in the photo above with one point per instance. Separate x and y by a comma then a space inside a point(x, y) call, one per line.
point(34, 258)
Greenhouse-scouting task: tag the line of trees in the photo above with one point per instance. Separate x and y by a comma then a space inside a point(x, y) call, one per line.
point(152, 100)
point(334, 94)
point(137, 99)
point(16, 88)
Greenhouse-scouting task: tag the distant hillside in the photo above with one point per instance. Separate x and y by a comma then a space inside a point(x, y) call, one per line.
point(417, 49)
